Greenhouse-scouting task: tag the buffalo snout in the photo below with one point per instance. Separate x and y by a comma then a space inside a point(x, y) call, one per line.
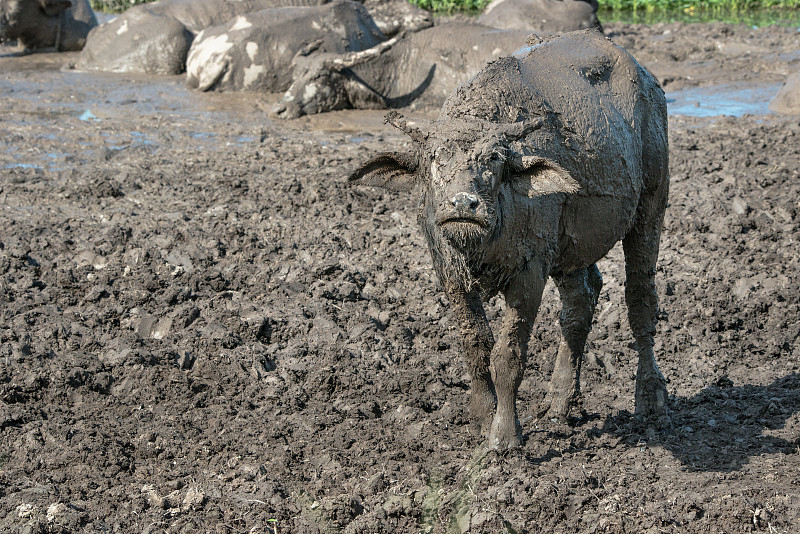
point(465, 201)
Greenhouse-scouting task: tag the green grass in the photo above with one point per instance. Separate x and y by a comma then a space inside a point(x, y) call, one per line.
point(749, 17)
point(718, 6)
point(681, 5)
point(449, 7)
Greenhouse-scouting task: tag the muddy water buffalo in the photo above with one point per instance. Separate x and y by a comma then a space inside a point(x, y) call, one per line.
point(788, 98)
point(254, 52)
point(416, 69)
point(541, 16)
point(46, 24)
point(535, 168)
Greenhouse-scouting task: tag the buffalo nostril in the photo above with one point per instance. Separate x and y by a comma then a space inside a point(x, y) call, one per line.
point(465, 201)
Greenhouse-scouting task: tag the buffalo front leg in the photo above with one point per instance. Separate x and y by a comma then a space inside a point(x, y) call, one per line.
point(641, 252)
point(477, 342)
point(508, 359)
point(579, 292)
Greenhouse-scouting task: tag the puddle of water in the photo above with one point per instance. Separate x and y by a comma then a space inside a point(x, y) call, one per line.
point(88, 116)
point(734, 99)
point(21, 166)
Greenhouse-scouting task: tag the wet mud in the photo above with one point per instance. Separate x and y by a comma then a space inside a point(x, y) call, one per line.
point(204, 329)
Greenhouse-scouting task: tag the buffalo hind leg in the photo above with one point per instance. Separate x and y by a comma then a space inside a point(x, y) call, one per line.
point(508, 357)
point(579, 292)
point(641, 253)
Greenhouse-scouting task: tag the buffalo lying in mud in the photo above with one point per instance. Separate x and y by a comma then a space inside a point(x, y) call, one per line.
point(417, 69)
point(155, 38)
point(788, 98)
point(254, 52)
point(61, 25)
point(535, 168)
point(541, 16)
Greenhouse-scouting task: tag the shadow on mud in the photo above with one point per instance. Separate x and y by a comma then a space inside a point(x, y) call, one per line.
point(724, 426)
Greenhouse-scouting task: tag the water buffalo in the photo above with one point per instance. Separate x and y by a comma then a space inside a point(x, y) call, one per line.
point(61, 25)
point(788, 98)
point(541, 16)
point(535, 168)
point(155, 38)
point(254, 52)
point(416, 69)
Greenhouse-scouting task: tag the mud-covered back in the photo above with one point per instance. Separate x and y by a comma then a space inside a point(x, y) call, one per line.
point(591, 92)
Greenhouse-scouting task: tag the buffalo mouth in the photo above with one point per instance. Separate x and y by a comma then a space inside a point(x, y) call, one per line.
point(461, 231)
point(460, 220)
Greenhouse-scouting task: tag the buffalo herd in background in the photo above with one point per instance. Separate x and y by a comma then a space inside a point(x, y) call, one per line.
point(324, 55)
point(366, 54)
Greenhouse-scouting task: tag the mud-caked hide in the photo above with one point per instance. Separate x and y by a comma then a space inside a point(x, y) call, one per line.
point(788, 98)
point(138, 41)
point(254, 52)
point(60, 25)
point(541, 16)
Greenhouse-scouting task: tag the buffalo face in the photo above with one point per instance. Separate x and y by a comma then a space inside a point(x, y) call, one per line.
point(316, 88)
point(469, 174)
point(462, 190)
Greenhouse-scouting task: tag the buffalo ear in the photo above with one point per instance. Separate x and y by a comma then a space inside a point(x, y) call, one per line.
point(394, 171)
point(52, 8)
point(532, 176)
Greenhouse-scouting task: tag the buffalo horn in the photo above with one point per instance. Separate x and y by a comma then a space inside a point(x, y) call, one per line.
point(351, 59)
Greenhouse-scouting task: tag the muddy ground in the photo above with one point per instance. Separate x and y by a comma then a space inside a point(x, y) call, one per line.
point(203, 329)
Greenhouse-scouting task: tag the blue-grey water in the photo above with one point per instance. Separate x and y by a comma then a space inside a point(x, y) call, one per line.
point(734, 99)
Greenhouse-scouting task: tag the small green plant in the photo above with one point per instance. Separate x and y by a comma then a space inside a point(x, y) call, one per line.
point(115, 6)
point(452, 6)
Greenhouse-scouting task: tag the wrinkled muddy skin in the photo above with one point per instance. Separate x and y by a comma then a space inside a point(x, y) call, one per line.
point(537, 167)
point(203, 328)
point(418, 69)
point(541, 16)
point(254, 52)
point(60, 25)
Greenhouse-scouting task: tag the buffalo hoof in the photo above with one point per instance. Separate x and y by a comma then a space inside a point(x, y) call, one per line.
point(557, 407)
point(505, 435)
point(652, 399)
point(482, 405)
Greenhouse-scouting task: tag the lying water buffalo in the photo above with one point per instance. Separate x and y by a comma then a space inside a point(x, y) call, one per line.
point(417, 69)
point(542, 16)
point(535, 168)
point(155, 38)
point(46, 24)
point(788, 98)
point(254, 51)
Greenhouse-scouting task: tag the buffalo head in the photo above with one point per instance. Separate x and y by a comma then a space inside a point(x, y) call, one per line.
point(322, 82)
point(471, 175)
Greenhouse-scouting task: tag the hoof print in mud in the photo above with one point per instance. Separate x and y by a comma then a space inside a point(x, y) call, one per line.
point(518, 185)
